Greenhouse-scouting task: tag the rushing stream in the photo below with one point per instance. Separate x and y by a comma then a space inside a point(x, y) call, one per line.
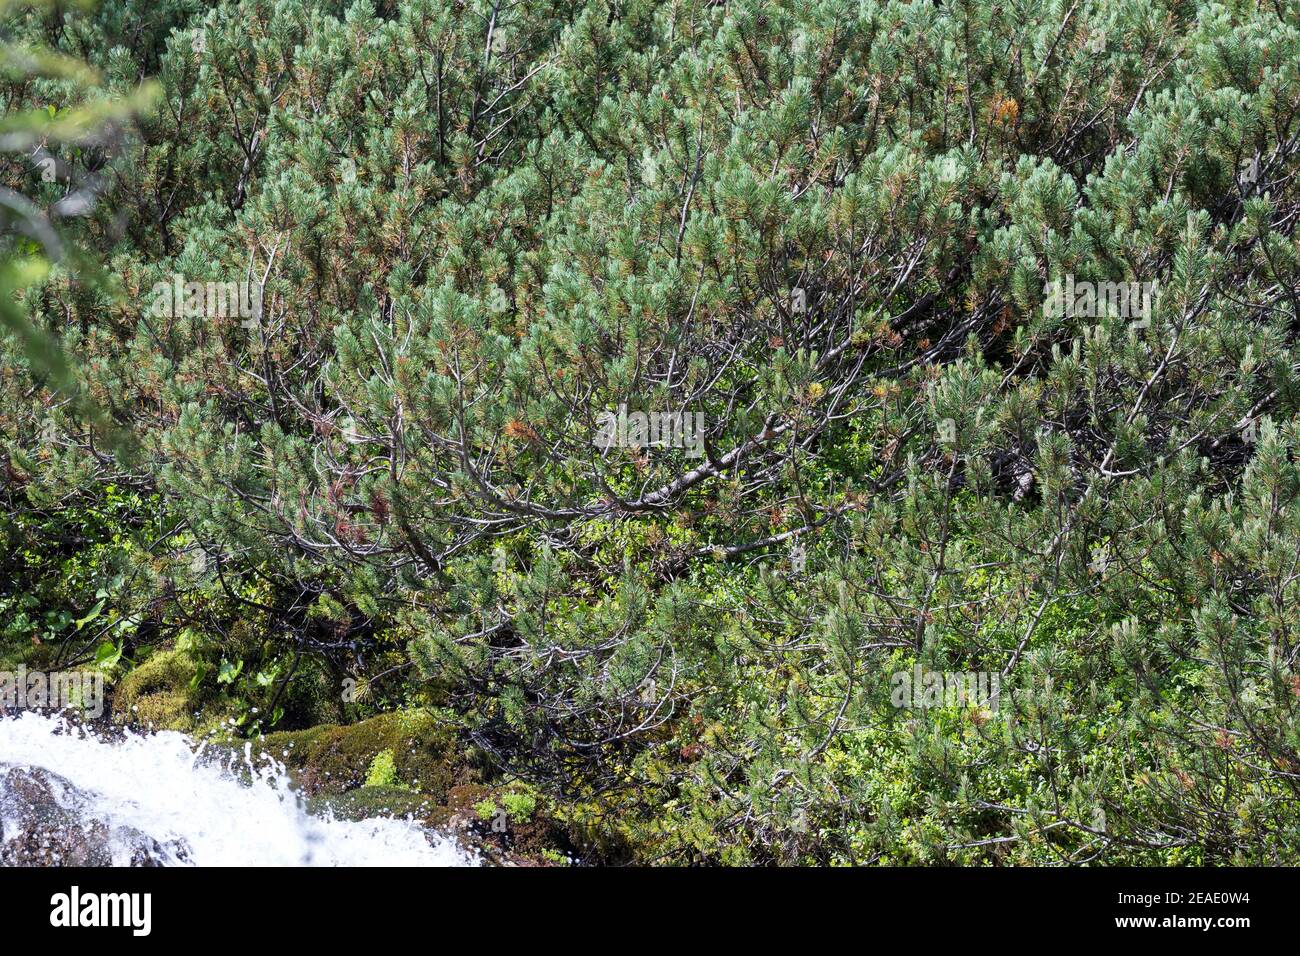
point(68, 795)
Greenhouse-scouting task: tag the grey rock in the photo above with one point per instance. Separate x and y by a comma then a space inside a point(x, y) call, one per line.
point(44, 822)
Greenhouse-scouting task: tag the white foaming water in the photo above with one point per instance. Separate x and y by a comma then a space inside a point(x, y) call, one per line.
point(156, 784)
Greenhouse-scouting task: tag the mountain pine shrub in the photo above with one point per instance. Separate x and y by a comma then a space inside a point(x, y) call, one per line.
point(506, 258)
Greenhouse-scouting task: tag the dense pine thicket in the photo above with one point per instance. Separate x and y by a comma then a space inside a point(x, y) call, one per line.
point(828, 228)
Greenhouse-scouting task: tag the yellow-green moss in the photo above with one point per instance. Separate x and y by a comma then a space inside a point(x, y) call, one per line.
point(383, 772)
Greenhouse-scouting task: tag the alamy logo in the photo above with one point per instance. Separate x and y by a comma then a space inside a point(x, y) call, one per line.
point(1094, 300)
point(213, 300)
point(920, 688)
point(61, 690)
point(103, 909)
point(645, 429)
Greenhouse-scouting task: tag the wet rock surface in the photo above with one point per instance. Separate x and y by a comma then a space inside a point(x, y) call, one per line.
point(44, 822)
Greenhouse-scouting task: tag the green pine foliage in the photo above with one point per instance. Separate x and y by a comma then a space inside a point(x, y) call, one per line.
point(828, 229)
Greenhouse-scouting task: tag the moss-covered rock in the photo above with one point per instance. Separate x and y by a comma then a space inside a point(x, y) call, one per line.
point(367, 802)
point(457, 812)
point(157, 694)
point(333, 759)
